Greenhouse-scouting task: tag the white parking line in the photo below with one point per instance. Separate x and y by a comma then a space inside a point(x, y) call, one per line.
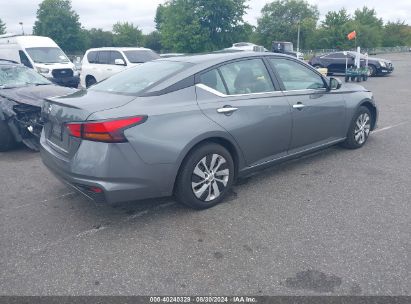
point(390, 127)
point(93, 231)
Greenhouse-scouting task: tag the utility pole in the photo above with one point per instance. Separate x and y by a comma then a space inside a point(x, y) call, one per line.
point(22, 28)
point(298, 37)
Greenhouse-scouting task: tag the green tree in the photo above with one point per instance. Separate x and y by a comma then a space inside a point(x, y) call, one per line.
point(97, 37)
point(396, 34)
point(180, 27)
point(56, 19)
point(159, 18)
point(334, 29)
point(126, 34)
point(368, 26)
point(201, 25)
point(153, 41)
point(279, 21)
point(2, 27)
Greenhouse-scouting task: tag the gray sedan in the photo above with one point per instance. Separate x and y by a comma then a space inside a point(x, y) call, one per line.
point(189, 126)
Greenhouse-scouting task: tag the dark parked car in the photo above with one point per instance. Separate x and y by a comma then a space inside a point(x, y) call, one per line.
point(335, 63)
point(22, 91)
point(190, 125)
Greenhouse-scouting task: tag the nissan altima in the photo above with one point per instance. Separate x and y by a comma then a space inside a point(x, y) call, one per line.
point(189, 126)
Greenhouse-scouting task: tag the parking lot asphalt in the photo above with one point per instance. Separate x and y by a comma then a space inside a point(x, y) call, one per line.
point(337, 222)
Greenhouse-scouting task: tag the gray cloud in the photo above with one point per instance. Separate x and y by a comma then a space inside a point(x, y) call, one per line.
point(104, 13)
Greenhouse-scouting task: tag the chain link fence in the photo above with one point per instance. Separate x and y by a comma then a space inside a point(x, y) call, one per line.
point(370, 51)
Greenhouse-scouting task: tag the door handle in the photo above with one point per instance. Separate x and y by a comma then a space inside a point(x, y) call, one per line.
point(299, 106)
point(227, 110)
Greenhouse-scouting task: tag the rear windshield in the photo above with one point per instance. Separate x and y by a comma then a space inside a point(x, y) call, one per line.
point(135, 80)
point(141, 56)
point(47, 55)
point(18, 76)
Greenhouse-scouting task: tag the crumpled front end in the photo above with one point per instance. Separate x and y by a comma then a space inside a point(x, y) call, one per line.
point(24, 122)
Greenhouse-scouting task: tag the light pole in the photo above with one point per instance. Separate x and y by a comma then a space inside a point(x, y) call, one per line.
point(22, 29)
point(298, 37)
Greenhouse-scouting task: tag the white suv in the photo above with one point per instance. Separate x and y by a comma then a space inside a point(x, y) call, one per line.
point(99, 64)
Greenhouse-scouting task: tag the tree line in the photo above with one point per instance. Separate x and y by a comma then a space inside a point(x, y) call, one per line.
point(190, 26)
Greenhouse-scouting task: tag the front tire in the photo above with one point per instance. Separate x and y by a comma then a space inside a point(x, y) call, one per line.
point(90, 80)
point(372, 70)
point(359, 129)
point(7, 141)
point(205, 177)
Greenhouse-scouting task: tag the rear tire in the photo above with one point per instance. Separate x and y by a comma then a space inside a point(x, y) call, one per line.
point(7, 141)
point(205, 177)
point(359, 129)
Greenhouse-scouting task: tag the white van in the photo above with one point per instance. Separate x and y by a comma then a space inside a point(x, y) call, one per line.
point(101, 63)
point(43, 55)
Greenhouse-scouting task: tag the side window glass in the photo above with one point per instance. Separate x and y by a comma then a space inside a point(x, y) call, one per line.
point(247, 76)
point(115, 55)
point(104, 57)
point(92, 57)
point(213, 80)
point(295, 76)
point(24, 60)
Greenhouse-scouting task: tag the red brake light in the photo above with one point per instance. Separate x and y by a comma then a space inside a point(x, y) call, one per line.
point(105, 131)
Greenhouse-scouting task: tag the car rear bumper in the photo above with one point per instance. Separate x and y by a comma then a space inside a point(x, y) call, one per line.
point(116, 175)
point(72, 82)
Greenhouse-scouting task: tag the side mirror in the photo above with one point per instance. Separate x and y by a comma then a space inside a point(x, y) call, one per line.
point(119, 62)
point(334, 84)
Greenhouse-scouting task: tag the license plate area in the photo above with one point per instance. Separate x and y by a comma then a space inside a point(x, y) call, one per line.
point(56, 131)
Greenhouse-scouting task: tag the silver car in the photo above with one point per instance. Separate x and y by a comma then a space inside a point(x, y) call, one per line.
point(189, 126)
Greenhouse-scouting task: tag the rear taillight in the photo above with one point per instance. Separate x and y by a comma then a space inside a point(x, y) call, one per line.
point(111, 131)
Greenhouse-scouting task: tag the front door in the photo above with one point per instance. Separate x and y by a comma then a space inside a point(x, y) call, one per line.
point(318, 114)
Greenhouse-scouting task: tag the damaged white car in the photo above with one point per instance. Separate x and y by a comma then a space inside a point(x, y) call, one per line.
point(22, 91)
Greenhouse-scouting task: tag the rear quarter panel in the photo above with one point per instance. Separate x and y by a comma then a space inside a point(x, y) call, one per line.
point(175, 124)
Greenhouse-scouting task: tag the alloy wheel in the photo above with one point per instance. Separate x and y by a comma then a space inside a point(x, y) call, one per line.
point(362, 128)
point(210, 177)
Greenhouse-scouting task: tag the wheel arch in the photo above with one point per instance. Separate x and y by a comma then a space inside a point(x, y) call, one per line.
point(373, 110)
point(219, 139)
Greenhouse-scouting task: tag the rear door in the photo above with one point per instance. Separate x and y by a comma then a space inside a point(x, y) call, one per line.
point(241, 97)
point(318, 114)
point(104, 69)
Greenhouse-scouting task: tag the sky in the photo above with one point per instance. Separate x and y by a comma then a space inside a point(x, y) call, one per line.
point(104, 13)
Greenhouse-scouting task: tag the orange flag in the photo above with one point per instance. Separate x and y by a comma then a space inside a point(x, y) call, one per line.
point(352, 35)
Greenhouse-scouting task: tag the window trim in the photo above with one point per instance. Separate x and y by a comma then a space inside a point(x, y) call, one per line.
point(121, 54)
point(96, 52)
point(98, 56)
point(283, 88)
point(274, 81)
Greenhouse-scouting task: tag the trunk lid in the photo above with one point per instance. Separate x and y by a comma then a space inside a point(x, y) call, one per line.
point(34, 95)
point(79, 106)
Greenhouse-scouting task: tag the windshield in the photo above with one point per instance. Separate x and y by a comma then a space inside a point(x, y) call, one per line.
point(47, 55)
point(141, 56)
point(16, 76)
point(139, 78)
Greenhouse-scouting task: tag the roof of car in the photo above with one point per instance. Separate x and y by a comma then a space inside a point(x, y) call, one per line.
point(215, 58)
point(113, 48)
